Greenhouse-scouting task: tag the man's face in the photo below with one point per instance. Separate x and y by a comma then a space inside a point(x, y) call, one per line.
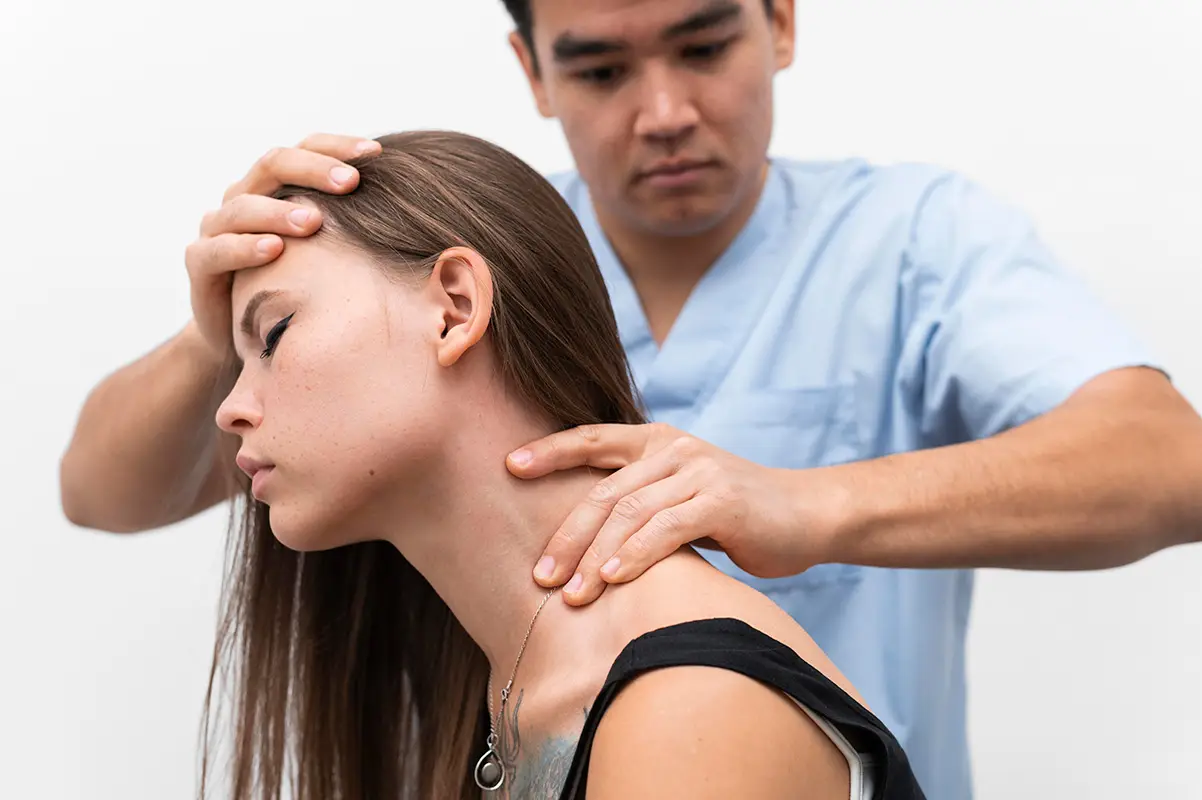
point(666, 104)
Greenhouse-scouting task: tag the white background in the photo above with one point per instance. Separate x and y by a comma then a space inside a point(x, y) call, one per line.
point(121, 122)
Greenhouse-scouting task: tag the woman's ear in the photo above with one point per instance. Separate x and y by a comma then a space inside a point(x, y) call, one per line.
point(461, 287)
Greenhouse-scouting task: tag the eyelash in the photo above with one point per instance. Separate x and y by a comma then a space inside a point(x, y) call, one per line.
point(601, 76)
point(273, 337)
point(705, 52)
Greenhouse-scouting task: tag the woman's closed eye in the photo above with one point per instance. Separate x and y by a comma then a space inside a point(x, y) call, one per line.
point(273, 337)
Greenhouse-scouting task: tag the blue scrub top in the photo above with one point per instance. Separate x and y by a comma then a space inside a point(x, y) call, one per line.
point(866, 310)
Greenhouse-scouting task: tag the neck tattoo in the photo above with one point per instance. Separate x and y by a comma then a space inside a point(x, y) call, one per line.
point(490, 769)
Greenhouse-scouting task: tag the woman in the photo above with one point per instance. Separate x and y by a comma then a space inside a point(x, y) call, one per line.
point(379, 601)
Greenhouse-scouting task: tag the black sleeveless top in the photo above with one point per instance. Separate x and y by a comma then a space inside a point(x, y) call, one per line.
point(733, 644)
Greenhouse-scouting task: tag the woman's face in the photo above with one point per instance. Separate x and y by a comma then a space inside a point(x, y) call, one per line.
point(338, 398)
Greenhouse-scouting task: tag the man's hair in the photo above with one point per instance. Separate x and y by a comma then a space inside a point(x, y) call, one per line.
point(519, 11)
point(523, 20)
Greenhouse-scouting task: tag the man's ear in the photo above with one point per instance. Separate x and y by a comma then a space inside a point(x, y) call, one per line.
point(461, 288)
point(784, 37)
point(533, 76)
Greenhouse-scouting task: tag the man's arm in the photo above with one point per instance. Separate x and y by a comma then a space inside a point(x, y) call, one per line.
point(1112, 475)
point(1078, 454)
point(144, 453)
point(1109, 476)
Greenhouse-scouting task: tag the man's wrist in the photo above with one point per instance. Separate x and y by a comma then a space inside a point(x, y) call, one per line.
point(824, 512)
point(194, 346)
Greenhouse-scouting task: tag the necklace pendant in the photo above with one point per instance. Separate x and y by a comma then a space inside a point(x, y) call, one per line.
point(490, 769)
point(490, 772)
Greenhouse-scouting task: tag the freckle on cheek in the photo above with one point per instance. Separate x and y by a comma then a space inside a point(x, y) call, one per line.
point(371, 472)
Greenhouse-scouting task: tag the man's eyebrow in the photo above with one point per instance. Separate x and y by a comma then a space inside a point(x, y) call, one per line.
point(248, 316)
point(711, 16)
point(568, 46)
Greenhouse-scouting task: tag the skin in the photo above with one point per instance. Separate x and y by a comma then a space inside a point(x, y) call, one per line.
point(363, 394)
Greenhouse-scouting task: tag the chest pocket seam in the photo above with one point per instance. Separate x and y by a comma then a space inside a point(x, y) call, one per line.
point(824, 416)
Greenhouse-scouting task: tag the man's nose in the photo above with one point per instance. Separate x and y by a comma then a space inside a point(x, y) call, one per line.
point(667, 113)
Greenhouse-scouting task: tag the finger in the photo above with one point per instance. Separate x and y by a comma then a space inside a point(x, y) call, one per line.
point(228, 252)
point(252, 213)
point(339, 148)
point(632, 515)
point(669, 529)
point(343, 148)
point(601, 446)
point(296, 167)
point(578, 533)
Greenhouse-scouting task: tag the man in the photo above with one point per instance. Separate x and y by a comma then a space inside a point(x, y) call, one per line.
point(866, 381)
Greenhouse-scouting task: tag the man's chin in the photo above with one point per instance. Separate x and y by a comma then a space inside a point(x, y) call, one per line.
point(680, 216)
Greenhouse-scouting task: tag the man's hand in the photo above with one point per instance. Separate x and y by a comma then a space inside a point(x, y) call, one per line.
point(246, 231)
point(669, 490)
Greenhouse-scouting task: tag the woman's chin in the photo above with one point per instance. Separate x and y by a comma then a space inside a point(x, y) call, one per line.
point(302, 533)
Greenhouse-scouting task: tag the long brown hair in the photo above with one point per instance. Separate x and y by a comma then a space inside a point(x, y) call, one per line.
point(350, 677)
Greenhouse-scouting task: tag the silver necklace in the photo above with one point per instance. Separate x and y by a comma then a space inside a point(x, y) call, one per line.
point(490, 769)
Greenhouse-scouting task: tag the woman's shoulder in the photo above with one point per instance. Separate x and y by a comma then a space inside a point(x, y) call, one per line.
point(717, 708)
point(709, 731)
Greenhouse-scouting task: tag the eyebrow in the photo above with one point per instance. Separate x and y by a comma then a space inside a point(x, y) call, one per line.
point(248, 316)
point(568, 47)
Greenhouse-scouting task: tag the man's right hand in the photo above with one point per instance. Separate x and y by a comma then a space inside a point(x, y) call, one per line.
point(247, 230)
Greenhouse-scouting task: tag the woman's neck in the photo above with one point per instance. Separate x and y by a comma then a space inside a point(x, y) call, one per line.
point(477, 542)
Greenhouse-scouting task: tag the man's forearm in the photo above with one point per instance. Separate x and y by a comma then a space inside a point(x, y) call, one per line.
point(1112, 476)
point(143, 450)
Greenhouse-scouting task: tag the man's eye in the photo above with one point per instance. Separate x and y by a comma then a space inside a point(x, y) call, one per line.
point(705, 52)
point(273, 337)
point(599, 75)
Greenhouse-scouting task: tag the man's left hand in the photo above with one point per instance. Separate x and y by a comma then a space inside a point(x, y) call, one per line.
point(670, 489)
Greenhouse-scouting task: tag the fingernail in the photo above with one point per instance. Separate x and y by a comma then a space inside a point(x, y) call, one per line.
point(611, 567)
point(545, 568)
point(366, 147)
point(299, 216)
point(341, 174)
point(521, 457)
point(264, 245)
point(574, 584)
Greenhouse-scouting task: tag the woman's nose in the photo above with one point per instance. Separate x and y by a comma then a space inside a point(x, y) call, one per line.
point(240, 411)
